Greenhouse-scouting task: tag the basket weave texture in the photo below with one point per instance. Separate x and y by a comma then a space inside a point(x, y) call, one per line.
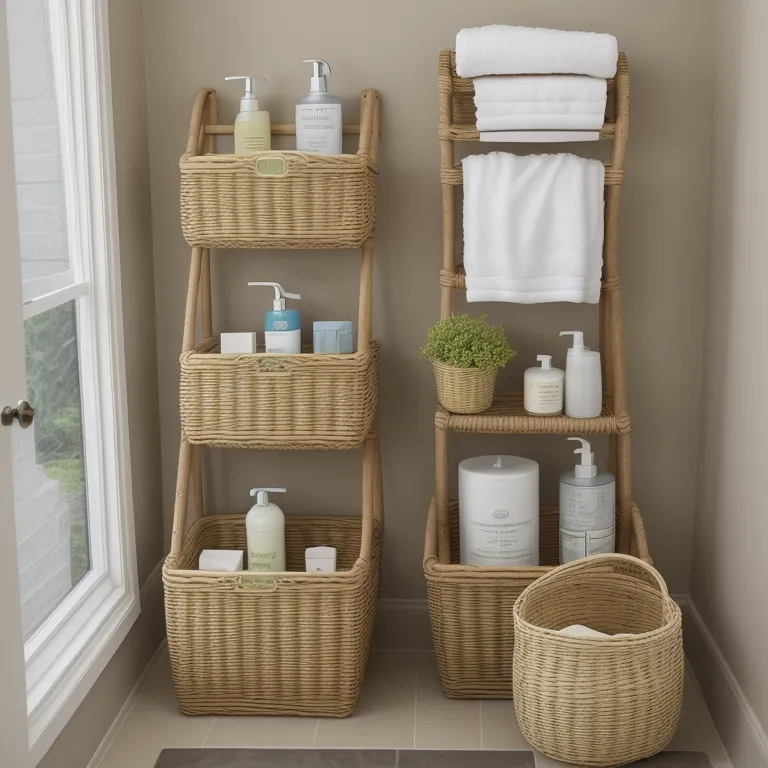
point(289, 401)
point(284, 644)
point(599, 701)
point(470, 607)
point(317, 202)
point(464, 390)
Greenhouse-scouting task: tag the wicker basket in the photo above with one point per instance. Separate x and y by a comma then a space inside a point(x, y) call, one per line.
point(275, 644)
point(289, 401)
point(470, 607)
point(280, 199)
point(599, 701)
point(464, 390)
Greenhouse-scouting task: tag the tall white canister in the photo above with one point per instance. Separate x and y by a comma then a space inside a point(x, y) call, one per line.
point(499, 511)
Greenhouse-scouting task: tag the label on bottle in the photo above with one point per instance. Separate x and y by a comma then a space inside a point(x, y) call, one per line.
point(500, 538)
point(253, 144)
point(543, 397)
point(576, 544)
point(263, 561)
point(283, 342)
point(318, 128)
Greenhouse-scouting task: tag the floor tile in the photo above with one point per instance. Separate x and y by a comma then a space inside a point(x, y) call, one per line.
point(148, 730)
point(296, 732)
point(499, 725)
point(662, 760)
point(461, 759)
point(443, 723)
point(268, 758)
point(158, 690)
point(696, 731)
point(384, 715)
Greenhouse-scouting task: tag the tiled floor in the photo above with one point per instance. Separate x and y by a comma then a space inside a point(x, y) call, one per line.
point(401, 707)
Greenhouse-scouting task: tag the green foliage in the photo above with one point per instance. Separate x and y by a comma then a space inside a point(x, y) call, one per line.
point(468, 342)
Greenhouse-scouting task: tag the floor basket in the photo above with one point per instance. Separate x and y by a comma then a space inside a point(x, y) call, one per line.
point(470, 607)
point(599, 701)
point(293, 643)
point(281, 199)
point(289, 401)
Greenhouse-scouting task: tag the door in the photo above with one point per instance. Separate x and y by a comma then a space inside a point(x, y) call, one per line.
point(14, 733)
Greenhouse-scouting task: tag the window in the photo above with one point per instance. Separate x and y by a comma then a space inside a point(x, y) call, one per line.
point(71, 469)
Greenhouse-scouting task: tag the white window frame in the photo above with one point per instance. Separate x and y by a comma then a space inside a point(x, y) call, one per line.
point(65, 656)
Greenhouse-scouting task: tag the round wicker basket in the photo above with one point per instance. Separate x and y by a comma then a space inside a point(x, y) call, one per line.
point(598, 701)
point(464, 390)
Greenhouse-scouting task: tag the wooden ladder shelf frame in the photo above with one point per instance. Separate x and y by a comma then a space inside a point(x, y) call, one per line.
point(506, 415)
point(203, 129)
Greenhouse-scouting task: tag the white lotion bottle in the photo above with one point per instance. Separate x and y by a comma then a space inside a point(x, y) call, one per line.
point(318, 115)
point(253, 132)
point(543, 389)
point(587, 508)
point(265, 532)
point(583, 380)
point(499, 511)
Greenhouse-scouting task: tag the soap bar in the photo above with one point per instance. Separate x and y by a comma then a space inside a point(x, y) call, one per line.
point(320, 559)
point(238, 343)
point(221, 560)
point(333, 337)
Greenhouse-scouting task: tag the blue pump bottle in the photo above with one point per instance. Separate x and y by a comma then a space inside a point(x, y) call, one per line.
point(282, 327)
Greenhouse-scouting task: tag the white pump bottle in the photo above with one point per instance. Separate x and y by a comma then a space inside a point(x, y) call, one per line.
point(543, 389)
point(583, 380)
point(265, 531)
point(253, 132)
point(318, 115)
point(587, 508)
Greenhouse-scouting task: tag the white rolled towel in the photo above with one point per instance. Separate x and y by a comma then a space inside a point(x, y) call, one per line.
point(508, 50)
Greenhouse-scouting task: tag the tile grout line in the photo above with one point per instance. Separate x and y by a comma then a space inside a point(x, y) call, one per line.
point(416, 697)
point(317, 728)
point(208, 732)
point(482, 746)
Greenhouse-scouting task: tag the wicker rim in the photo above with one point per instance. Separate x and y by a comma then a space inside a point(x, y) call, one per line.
point(590, 563)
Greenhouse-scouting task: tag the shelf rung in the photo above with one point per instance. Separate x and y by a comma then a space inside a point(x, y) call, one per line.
point(464, 132)
point(278, 129)
point(507, 416)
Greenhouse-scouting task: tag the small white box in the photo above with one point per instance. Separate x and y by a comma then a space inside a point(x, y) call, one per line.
point(320, 559)
point(221, 560)
point(238, 343)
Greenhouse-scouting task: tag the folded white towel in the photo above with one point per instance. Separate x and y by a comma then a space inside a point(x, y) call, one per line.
point(579, 630)
point(533, 228)
point(538, 88)
point(506, 50)
point(502, 108)
point(554, 122)
point(533, 137)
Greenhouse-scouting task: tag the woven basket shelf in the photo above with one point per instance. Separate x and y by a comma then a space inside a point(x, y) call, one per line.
point(470, 607)
point(278, 401)
point(506, 416)
point(278, 199)
point(292, 643)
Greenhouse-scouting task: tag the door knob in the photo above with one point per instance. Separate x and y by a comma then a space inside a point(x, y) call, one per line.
point(24, 412)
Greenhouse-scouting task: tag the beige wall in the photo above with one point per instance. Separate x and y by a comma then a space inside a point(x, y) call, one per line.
point(393, 46)
point(728, 579)
point(82, 735)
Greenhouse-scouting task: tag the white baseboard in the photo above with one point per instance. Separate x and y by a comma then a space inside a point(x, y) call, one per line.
point(153, 582)
point(740, 730)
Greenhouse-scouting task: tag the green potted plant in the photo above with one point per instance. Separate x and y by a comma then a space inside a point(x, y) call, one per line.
point(466, 352)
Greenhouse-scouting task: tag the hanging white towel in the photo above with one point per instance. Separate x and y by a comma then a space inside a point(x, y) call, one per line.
point(507, 50)
point(533, 228)
point(533, 89)
point(533, 137)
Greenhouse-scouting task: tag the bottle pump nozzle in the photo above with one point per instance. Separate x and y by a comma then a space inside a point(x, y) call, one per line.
point(545, 360)
point(587, 466)
point(318, 83)
point(578, 340)
point(262, 500)
point(280, 295)
point(250, 100)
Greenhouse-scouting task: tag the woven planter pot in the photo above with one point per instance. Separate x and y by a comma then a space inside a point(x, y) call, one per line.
point(598, 701)
point(464, 390)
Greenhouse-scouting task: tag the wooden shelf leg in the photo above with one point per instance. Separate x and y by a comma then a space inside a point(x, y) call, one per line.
point(205, 295)
point(193, 287)
point(441, 496)
point(182, 496)
point(365, 308)
point(624, 491)
point(197, 485)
